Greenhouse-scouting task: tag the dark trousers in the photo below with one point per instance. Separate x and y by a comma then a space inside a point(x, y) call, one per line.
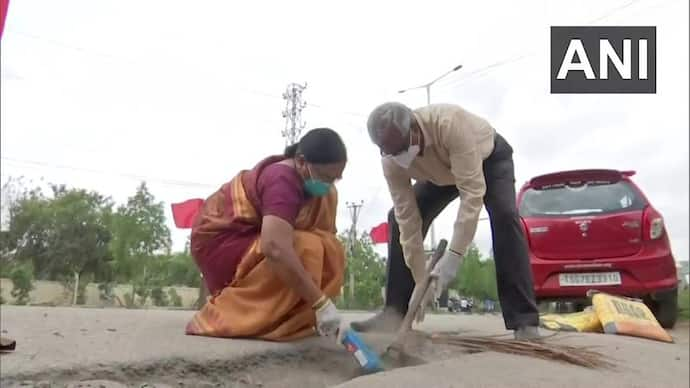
point(513, 271)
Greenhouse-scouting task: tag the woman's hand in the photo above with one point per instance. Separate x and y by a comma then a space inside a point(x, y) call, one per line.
point(278, 244)
point(328, 319)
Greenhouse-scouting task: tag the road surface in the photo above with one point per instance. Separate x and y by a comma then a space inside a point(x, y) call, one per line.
point(76, 347)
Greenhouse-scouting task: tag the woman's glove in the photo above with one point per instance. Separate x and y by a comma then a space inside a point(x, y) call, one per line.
point(328, 319)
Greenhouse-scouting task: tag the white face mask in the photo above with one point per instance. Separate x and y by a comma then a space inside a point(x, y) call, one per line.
point(405, 159)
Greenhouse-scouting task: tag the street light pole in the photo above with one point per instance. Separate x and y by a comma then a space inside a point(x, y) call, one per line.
point(427, 86)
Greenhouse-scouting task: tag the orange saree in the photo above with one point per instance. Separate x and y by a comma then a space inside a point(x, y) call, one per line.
point(256, 303)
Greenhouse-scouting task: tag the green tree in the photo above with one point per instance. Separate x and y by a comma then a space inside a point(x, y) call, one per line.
point(489, 287)
point(140, 236)
point(469, 278)
point(12, 190)
point(159, 297)
point(23, 211)
point(174, 298)
point(476, 276)
point(369, 274)
point(22, 283)
point(63, 236)
point(181, 270)
point(80, 236)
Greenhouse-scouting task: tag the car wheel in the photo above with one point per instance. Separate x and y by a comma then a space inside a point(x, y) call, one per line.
point(665, 309)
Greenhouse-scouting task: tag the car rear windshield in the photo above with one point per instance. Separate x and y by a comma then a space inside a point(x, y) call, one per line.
point(585, 199)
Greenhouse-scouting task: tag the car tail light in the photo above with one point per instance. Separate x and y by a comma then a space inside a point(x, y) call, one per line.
point(653, 224)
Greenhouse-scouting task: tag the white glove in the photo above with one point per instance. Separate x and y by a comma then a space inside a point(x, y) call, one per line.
point(445, 271)
point(328, 320)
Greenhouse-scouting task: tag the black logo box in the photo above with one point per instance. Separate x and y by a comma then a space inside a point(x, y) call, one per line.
point(576, 82)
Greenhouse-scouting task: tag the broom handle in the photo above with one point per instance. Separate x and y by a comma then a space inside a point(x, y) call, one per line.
point(415, 304)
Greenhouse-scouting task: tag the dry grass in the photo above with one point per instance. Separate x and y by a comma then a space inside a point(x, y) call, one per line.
point(581, 356)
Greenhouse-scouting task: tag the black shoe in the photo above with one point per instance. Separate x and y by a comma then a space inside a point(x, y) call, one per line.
point(387, 320)
point(528, 333)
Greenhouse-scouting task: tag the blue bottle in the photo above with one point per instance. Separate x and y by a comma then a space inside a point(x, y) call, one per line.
point(366, 358)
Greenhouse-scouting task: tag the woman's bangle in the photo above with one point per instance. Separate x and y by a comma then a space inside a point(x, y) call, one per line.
point(320, 302)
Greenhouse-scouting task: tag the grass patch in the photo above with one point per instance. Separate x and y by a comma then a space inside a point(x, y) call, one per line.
point(684, 304)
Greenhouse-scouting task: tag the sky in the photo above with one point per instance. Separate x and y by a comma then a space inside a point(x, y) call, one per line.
point(103, 94)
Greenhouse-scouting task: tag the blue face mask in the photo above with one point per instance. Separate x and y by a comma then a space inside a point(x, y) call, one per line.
point(316, 187)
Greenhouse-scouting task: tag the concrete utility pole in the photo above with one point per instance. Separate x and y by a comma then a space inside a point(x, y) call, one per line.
point(354, 209)
point(427, 87)
point(293, 112)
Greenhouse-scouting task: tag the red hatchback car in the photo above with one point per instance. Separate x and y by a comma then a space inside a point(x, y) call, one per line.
point(595, 229)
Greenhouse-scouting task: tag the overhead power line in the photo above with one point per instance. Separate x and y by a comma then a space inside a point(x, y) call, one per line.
point(507, 61)
point(138, 177)
point(134, 62)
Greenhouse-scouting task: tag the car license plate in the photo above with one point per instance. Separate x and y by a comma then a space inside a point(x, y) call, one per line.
point(590, 279)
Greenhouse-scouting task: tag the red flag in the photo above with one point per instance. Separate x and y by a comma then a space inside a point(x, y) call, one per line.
point(185, 212)
point(379, 234)
point(4, 4)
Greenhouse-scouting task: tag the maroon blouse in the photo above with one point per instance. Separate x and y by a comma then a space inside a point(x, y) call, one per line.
point(281, 192)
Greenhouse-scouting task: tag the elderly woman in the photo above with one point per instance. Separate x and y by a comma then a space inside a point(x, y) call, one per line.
point(266, 245)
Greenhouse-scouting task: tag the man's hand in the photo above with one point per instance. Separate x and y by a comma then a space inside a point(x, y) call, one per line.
point(445, 271)
point(328, 320)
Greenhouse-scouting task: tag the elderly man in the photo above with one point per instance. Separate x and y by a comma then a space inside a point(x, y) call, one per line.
point(449, 152)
